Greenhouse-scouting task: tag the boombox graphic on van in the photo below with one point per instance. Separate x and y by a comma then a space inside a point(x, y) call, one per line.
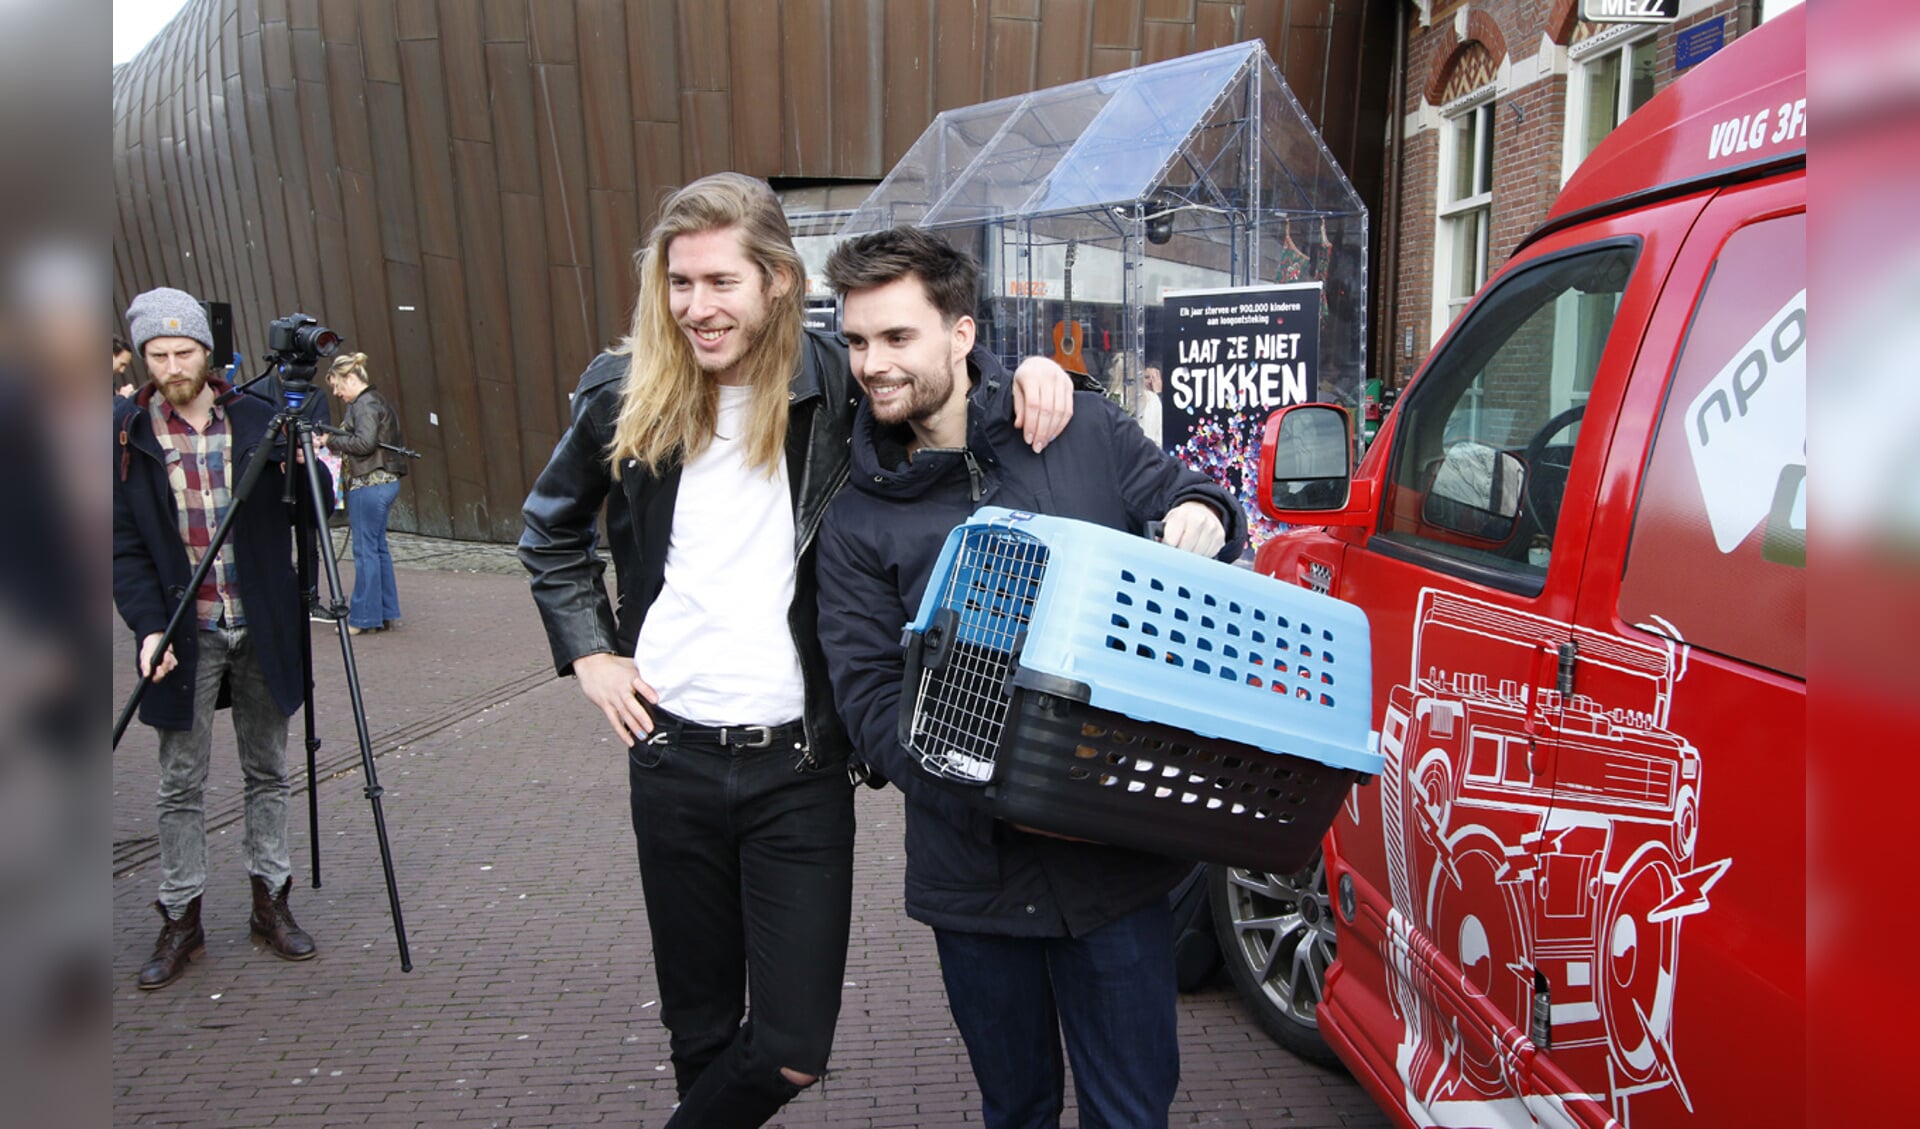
point(1544, 841)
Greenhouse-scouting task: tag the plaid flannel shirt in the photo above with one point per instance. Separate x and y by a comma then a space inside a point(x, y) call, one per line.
point(199, 469)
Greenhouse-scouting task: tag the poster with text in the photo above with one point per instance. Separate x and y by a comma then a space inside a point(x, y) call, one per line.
point(1230, 359)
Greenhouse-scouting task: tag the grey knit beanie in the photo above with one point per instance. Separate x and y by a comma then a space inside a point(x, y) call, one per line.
point(167, 312)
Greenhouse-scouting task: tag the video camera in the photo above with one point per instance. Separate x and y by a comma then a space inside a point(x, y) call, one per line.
point(297, 342)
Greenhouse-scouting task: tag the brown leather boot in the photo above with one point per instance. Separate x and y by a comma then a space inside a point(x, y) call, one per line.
point(181, 939)
point(273, 922)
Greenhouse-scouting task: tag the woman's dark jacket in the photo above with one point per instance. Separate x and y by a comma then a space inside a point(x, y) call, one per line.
point(557, 545)
point(966, 870)
point(369, 422)
point(150, 567)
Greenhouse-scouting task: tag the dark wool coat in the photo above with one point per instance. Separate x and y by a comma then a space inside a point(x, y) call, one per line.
point(150, 567)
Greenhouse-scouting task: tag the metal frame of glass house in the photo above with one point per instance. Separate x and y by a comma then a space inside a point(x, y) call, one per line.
point(1196, 172)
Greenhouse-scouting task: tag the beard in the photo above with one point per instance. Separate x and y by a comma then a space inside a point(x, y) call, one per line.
point(919, 399)
point(183, 390)
point(750, 331)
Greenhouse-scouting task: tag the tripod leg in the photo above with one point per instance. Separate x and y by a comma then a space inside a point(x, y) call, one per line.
point(373, 790)
point(303, 559)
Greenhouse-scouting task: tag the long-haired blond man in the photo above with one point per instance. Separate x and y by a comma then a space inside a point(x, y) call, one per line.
point(715, 435)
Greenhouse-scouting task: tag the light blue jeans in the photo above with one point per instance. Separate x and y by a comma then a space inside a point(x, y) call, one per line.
point(376, 599)
point(260, 729)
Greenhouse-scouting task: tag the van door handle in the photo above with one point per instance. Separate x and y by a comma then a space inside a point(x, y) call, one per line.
point(1540, 680)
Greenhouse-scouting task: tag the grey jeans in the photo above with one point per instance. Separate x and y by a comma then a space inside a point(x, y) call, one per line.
point(260, 729)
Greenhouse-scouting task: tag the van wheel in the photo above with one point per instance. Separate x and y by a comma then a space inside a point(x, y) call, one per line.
point(1276, 933)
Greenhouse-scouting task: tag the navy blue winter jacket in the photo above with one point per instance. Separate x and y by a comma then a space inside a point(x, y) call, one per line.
point(966, 870)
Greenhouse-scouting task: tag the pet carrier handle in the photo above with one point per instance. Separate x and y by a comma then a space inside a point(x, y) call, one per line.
point(926, 654)
point(1155, 531)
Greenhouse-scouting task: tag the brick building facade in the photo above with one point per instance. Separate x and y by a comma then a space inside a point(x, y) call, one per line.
point(1502, 99)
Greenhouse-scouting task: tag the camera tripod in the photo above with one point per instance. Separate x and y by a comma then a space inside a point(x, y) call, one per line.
point(290, 431)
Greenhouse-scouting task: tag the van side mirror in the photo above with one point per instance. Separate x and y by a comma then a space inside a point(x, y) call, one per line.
point(1306, 464)
point(1476, 491)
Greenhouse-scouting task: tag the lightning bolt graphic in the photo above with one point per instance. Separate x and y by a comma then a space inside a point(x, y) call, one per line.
point(1663, 1056)
point(1690, 891)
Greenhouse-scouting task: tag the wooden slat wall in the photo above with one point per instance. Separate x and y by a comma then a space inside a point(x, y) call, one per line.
point(457, 186)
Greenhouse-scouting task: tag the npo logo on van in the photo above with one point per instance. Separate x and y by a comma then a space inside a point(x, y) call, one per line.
point(1749, 424)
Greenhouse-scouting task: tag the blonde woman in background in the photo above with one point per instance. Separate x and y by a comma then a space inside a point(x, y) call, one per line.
point(372, 475)
point(1143, 403)
point(1147, 411)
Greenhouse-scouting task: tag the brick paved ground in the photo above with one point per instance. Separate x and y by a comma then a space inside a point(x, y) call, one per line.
point(532, 999)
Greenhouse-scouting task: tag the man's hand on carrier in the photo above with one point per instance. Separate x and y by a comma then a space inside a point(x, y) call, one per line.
point(614, 684)
point(147, 668)
point(1042, 401)
point(1196, 528)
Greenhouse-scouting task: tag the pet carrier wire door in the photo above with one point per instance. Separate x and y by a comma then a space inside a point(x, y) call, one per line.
point(1079, 680)
point(973, 642)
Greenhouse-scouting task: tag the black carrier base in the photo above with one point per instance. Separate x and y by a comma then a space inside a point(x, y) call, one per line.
point(1064, 766)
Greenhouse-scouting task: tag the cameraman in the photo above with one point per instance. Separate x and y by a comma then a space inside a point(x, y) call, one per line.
point(175, 450)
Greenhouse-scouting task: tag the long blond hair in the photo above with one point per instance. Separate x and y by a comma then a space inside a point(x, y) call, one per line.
point(668, 407)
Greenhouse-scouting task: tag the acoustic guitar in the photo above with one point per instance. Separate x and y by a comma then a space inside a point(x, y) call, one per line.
point(1068, 337)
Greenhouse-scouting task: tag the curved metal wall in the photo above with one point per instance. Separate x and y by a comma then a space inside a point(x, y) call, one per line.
point(457, 187)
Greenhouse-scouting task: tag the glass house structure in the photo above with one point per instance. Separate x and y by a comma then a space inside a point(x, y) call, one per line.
point(1086, 203)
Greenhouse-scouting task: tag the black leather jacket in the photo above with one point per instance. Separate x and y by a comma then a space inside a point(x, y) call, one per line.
point(557, 545)
point(369, 422)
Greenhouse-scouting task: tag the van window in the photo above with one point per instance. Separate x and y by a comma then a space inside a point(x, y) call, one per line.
point(1481, 457)
point(1719, 551)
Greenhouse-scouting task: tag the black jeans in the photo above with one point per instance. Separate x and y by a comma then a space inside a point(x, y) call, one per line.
point(746, 858)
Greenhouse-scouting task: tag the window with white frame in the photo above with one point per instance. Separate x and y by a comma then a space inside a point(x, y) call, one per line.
point(1613, 77)
point(1466, 203)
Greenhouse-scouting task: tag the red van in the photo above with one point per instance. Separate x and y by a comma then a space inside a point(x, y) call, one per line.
point(1576, 894)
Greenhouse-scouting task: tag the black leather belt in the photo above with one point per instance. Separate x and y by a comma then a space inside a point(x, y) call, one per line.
point(670, 727)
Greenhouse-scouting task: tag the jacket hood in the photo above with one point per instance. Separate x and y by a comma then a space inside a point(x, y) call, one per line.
point(880, 463)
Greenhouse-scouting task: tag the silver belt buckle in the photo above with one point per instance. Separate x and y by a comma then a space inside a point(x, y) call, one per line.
point(757, 736)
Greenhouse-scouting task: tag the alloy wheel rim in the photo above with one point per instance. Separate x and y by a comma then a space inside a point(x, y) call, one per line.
point(1283, 932)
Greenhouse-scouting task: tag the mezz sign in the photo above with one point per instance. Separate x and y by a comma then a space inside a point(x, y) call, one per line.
point(1630, 11)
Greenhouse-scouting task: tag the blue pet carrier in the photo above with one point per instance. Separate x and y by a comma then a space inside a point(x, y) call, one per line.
point(1090, 683)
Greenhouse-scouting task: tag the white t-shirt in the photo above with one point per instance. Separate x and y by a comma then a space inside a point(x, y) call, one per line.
point(716, 643)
